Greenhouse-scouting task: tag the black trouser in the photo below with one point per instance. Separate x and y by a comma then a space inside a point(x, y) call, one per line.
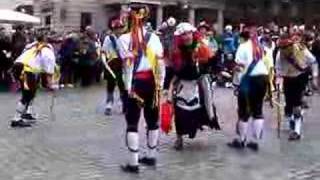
point(168, 77)
point(251, 102)
point(29, 91)
point(67, 71)
point(86, 74)
point(293, 90)
point(116, 66)
point(5, 65)
point(145, 89)
point(29, 83)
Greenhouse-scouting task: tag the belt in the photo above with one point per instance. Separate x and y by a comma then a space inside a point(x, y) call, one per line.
point(143, 75)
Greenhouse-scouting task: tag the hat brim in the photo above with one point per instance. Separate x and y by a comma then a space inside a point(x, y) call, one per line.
point(204, 26)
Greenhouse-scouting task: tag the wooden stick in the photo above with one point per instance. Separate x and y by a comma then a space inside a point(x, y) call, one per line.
point(52, 115)
point(279, 116)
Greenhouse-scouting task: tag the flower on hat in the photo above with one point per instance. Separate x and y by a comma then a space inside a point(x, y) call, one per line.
point(183, 28)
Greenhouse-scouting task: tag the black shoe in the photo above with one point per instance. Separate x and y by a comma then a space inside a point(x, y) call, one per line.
point(178, 145)
point(294, 136)
point(28, 117)
point(309, 93)
point(108, 112)
point(237, 144)
point(130, 169)
point(305, 106)
point(253, 146)
point(148, 161)
point(20, 124)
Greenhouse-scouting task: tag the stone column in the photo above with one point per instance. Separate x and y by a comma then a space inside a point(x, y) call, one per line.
point(36, 8)
point(192, 13)
point(159, 15)
point(56, 23)
point(220, 21)
point(37, 11)
point(275, 8)
point(294, 11)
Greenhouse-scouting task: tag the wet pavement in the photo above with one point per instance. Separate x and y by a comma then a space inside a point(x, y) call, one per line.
point(80, 143)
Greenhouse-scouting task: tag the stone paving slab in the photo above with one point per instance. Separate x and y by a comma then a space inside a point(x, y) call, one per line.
point(82, 144)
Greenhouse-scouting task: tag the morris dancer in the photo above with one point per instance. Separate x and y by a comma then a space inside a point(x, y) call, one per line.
point(36, 62)
point(292, 64)
point(252, 90)
point(113, 64)
point(144, 72)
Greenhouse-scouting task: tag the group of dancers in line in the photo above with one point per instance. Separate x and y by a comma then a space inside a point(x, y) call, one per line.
point(146, 72)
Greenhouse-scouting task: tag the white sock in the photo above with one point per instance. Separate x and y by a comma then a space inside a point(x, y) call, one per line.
point(298, 125)
point(257, 129)
point(29, 110)
point(243, 130)
point(133, 146)
point(20, 109)
point(152, 140)
point(109, 105)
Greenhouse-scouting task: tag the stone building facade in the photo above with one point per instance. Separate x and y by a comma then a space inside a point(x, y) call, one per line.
point(279, 11)
point(65, 15)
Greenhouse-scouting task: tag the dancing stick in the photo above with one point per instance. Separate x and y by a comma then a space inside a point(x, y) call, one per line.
point(52, 114)
point(279, 116)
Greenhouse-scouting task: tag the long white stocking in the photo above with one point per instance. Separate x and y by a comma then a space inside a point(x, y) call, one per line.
point(152, 140)
point(298, 125)
point(133, 146)
point(243, 130)
point(20, 109)
point(257, 129)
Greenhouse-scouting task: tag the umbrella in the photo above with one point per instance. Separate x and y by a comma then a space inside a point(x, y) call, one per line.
point(9, 16)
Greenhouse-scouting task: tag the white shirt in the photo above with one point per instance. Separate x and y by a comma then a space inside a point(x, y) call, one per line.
point(108, 48)
point(44, 61)
point(244, 56)
point(154, 43)
point(285, 68)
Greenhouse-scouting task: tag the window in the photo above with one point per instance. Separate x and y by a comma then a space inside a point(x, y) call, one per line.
point(86, 20)
point(47, 20)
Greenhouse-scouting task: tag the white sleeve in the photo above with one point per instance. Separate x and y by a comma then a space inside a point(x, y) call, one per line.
point(124, 45)
point(48, 60)
point(105, 44)
point(128, 68)
point(241, 57)
point(310, 59)
point(156, 45)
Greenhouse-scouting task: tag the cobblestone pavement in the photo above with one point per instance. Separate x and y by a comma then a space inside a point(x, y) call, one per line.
point(80, 143)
